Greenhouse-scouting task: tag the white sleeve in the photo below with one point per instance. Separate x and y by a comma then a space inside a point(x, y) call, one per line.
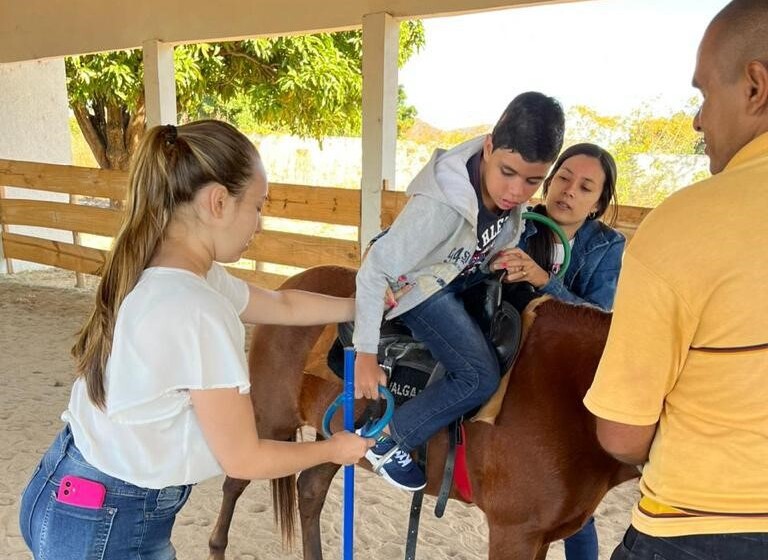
point(231, 287)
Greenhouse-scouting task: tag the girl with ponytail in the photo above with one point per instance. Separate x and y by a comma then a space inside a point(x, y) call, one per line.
point(161, 399)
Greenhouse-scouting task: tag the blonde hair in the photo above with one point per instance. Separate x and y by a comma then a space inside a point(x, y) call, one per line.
point(170, 166)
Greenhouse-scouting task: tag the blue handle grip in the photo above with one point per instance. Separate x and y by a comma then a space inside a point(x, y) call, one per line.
point(375, 429)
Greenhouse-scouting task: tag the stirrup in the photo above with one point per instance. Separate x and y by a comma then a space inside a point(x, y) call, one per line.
point(384, 458)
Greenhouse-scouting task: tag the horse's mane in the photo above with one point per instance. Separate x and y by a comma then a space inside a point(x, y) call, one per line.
point(553, 332)
point(546, 313)
point(564, 340)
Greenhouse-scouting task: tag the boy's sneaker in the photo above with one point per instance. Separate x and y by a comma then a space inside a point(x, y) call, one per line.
point(399, 469)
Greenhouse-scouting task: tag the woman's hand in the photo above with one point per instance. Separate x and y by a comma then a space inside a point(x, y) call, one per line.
point(520, 267)
point(349, 448)
point(368, 376)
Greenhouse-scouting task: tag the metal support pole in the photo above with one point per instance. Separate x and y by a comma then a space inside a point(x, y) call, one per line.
point(349, 470)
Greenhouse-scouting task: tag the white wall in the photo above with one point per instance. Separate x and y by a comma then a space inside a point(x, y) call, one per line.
point(34, 126)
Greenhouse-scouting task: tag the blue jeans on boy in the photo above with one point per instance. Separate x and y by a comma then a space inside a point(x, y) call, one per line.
point(721, 546)
point(457, 342)
point(582, 545)
point(134, 523)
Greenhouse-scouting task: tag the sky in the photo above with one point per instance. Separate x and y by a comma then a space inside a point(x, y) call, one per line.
point(611, 55)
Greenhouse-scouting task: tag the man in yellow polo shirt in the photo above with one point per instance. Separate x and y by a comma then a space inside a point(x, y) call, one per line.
point(683, 383)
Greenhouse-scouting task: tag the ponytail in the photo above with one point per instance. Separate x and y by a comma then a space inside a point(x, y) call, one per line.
point(540, 247)
point(170, 166)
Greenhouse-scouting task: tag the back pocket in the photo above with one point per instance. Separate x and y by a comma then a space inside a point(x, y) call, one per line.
point(75, 532)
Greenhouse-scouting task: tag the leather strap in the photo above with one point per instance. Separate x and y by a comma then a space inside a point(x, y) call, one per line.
point(450, 463)
point(415, 515)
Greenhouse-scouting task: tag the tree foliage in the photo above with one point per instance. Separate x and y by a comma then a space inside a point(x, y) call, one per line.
point(308, 85)
point(106, 95)
point(654, 154)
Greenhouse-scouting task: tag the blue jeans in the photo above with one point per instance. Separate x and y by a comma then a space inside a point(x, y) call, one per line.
point(472, 369)
point(582, 545)
point(722, 546)
point(134, 523)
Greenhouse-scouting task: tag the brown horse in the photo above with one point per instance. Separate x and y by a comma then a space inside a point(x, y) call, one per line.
point(537, 473)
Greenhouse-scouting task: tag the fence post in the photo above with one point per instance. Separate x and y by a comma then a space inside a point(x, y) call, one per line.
point(79, 276)
point(6, 266)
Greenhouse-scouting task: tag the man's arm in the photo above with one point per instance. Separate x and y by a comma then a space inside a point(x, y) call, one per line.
point(625, 442)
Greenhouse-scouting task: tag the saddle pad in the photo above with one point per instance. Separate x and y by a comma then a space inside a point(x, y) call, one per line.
point(490, 410)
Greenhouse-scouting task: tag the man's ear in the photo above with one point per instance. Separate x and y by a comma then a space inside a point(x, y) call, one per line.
point(757, 80)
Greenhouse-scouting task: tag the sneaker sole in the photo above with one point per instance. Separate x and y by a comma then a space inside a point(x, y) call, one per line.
point(396, 484)
point(372, 459)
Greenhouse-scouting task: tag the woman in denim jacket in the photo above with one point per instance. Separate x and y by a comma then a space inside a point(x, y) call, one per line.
point(577, 193)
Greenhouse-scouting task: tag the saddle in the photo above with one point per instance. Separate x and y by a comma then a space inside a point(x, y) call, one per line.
point(409, 364)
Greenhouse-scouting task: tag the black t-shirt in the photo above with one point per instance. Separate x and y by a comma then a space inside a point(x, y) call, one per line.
point(488, 223)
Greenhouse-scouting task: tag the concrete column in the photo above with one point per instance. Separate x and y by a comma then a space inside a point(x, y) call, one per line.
point(380, 51)
point(159, 83)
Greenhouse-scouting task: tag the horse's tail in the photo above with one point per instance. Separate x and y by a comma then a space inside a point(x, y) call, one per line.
point(284, 507)
point(284, 504)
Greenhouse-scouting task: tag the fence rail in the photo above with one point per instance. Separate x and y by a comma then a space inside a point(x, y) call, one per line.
point(325, 205)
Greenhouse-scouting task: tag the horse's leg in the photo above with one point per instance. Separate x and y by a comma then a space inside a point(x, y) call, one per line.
point(313, 487)
point(508, 541)
point(232, 489)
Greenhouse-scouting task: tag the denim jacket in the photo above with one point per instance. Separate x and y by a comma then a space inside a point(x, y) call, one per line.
point(594, 270)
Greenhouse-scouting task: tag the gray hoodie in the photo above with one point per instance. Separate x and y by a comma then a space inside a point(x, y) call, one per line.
point(428, 245)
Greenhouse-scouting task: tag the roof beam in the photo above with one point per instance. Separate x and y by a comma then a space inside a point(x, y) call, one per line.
point(37, 29)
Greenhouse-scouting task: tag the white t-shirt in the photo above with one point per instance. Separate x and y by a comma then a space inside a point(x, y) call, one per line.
point(558, 256)
point(175, 331)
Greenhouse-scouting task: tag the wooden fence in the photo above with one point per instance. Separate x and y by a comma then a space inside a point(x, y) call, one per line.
point(300, 203)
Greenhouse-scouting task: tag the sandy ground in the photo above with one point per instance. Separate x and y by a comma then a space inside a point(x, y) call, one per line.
point(39, 314)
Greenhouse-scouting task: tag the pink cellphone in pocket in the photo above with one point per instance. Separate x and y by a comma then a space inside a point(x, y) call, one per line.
point(81, 492)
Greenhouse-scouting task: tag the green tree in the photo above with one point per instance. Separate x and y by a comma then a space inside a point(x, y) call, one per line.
point(308, 85)
point(106, 95)
point(654, 154)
